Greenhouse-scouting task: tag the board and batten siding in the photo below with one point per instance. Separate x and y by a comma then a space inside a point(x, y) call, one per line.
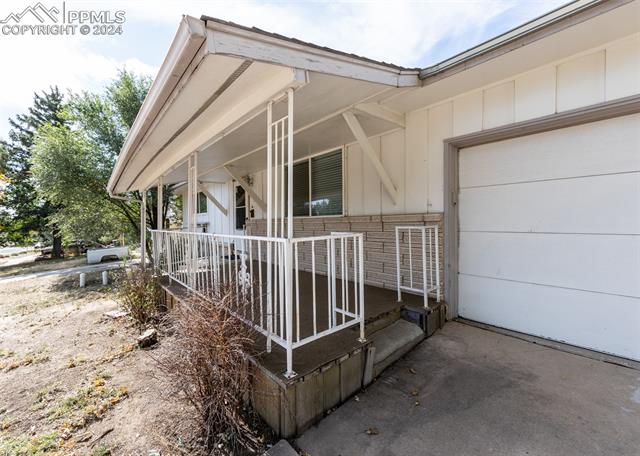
point(216, 221)
point(413, 156)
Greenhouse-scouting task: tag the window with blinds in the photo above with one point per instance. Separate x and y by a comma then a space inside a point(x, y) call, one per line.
point(317, 185)
point(326, 184)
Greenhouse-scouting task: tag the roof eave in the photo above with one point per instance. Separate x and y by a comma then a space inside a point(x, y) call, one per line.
point(189, 38)
point(549, 23)
point(232, 39)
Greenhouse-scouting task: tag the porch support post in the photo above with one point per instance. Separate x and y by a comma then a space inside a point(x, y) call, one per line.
point(189, 191)
point(212, 198)
point(289, 245)
point(143, 228)
point(269, 222)
point(290, 164)
point(247, 188)
point(194, 193)
point(381, 112)
point(160, 203)
point(367, 148)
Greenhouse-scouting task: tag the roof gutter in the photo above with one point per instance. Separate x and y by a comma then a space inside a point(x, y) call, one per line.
point(189, 38)
point(552, 22)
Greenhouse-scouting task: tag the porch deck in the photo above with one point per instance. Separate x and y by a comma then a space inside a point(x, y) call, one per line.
point(381, 309)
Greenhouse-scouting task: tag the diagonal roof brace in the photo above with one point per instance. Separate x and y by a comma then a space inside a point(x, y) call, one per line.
point(367, 148)
point(381, 112)
point(247, 188)
point(212, 198)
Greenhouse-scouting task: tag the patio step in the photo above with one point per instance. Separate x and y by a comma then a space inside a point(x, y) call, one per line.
point(392, 342)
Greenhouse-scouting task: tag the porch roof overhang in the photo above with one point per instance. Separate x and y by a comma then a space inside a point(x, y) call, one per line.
point(211, 92)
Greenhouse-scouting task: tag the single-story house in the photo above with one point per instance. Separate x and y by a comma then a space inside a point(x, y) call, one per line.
point(519, 158)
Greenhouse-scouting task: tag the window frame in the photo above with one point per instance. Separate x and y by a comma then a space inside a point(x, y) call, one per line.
point(308, 158)
point(206, 204)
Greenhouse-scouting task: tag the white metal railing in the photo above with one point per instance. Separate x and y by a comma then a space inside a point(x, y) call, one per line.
point(293, 291)
point(418, 268)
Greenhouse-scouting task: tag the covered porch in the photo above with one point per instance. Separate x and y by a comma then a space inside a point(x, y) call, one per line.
point(233, 105)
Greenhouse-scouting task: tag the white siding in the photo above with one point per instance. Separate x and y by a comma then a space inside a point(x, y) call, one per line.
point(535, 94)
point(581, 81)
point(623, 68)
point(416, 163)
point(498, 105)
point(414, 157)
point(467, 113)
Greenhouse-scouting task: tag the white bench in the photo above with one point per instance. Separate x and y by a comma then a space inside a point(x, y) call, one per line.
point(97, 255)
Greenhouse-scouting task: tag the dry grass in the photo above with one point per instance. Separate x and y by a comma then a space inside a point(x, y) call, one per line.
point(209, 366)
point(30, 266)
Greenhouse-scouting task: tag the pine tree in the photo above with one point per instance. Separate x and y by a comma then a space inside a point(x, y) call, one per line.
point(26, 210)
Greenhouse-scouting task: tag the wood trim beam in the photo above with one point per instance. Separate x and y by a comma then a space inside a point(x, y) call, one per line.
point(247, 188)
point(381, 112)
point(368, 150)
point(212, 198)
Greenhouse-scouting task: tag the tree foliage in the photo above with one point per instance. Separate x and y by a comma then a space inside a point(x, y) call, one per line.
point(24, 212)
point(72, 163)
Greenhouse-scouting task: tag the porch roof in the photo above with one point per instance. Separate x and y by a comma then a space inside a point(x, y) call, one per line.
point(211, 92)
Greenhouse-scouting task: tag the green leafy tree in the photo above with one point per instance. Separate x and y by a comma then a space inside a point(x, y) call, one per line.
point(24, 212)
point(73, 162)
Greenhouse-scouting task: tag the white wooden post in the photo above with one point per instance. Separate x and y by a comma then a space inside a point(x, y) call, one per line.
point(290, 164)
point(143, 229)
point(160, 199)
point(289, 259)
point(189, 192)
point(269, 224)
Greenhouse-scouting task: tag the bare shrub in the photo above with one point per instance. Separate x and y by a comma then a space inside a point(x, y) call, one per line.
point(139, 293)
point(209, 364)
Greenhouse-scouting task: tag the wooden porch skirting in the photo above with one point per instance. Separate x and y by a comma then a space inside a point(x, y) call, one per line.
point(330, 370)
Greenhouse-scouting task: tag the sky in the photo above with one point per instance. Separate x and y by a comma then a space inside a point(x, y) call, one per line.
point(412, 34)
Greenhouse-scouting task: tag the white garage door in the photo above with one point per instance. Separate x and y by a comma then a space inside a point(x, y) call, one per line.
point(550, 235)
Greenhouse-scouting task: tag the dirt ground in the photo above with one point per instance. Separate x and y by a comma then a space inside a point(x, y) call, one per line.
point(72, 381)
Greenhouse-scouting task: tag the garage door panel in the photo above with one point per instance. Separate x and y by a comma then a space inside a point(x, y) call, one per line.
point(576, 317)
point(560, 206)
point(599, 263)
point(605, 147)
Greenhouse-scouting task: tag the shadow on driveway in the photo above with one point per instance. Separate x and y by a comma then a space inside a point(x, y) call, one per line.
point(476, 392)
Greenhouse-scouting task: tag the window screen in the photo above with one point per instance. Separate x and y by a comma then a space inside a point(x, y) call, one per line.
point(202, 203)
point(326, 184)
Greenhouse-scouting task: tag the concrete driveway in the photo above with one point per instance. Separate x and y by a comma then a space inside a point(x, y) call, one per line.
point(476, 392)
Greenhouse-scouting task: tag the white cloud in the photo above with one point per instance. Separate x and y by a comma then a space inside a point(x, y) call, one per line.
point(397, 32)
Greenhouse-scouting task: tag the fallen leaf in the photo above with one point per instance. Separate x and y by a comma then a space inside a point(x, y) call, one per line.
point(372, 431)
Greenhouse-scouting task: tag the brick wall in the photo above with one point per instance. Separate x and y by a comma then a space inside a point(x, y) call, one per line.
point(379, 242)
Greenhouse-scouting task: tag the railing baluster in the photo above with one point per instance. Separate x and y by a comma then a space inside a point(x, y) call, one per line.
point(297, 293)
point(260, 283)
point(410, 260)
point(313, 285)
point(329, 293)
point(424, 267)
